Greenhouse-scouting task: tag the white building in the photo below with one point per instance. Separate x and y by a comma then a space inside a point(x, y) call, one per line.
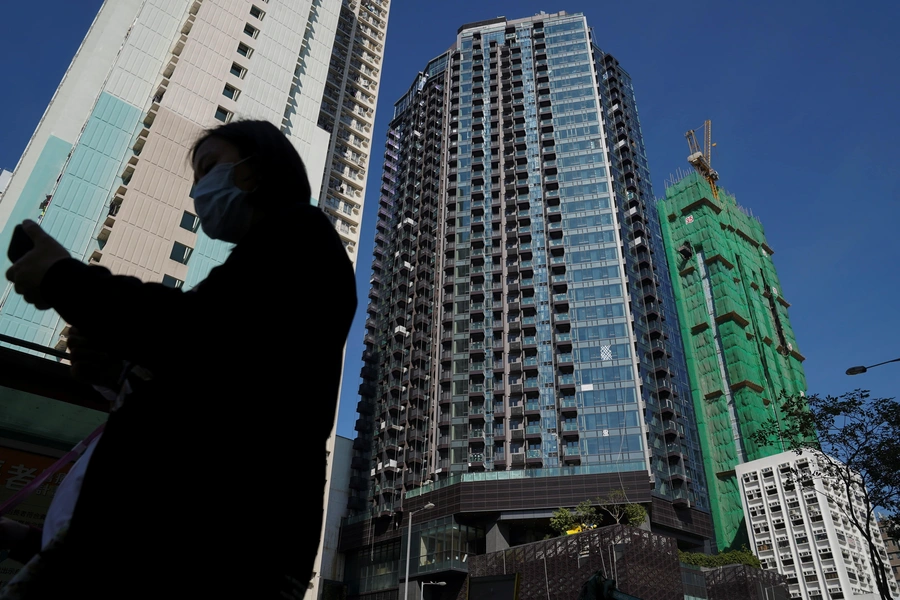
point(106, 171)
point(329, 567)
point(5, 176)
point(803, 531)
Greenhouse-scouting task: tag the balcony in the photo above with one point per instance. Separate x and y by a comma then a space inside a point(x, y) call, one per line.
point(570, 430)
point(667, 407)
point(670, 429)
point(657, 349)
point(572, 459)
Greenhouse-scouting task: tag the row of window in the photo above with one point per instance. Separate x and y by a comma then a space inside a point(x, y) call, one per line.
point(223, 114)
point(181, 253)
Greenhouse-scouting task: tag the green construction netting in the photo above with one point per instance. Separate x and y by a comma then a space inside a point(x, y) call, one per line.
point(747, 333)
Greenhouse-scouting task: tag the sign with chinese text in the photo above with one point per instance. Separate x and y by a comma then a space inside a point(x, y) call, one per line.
point(17, 469)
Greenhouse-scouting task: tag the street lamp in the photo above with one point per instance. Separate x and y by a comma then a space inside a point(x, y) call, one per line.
point(428, 506)
point(424, 583)
point(860, 369)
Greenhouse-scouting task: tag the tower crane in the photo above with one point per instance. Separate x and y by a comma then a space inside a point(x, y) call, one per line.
point(700, 157)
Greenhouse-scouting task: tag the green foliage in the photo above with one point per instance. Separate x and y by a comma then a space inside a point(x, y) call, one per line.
point(734, 557)
point(586, 514)
point(635, 515)
point(859, 438)
point(563, 520)
point(616, 505)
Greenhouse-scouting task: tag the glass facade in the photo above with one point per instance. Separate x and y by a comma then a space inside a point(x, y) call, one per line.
point(521, 318)
point(441, 545)
point(549, 342)
point(673, 441)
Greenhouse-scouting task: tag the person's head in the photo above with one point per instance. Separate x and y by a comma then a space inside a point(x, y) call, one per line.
point(243, 170)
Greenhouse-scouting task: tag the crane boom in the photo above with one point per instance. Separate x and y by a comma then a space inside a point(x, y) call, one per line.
point(701, 157)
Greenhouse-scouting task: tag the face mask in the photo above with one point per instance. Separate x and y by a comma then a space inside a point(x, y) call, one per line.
point(221, 205)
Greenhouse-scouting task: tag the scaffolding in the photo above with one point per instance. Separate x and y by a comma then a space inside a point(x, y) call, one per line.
point(741, 351)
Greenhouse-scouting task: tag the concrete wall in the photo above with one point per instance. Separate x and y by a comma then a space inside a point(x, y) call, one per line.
point(329, 564)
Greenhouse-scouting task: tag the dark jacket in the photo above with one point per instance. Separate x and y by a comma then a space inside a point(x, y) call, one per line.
point(210, 478)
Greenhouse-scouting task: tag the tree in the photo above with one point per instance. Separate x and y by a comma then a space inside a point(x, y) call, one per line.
point(586, 514)
point(562, 521)
point(855, 438)
point(616, 505)
point(733, 557)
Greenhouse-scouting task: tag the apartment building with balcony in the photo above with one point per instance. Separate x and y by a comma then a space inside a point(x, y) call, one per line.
point(522, 350)
point(107, 173)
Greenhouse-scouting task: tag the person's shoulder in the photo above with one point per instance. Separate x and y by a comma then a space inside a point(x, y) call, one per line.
point(306, 230)
point(315, 224)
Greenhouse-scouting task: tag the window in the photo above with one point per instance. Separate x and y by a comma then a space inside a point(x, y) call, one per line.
point(189, 221)
point(223, 115)
point(180, 253)
point(257, 13)
point(171, 282)
point(238, 71)
point(244, 50)
point(231, 92)
point(251, 30)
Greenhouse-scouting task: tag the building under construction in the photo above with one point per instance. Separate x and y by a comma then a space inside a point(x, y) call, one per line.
point(740, 349)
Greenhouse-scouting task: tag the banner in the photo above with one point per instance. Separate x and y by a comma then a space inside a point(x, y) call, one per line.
point(17, 469)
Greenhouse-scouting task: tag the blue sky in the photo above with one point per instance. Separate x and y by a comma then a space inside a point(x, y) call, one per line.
point(803, 97)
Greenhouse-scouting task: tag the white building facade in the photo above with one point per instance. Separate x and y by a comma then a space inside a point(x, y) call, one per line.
point(5, 176)
point(803, 531)
point(106, 171)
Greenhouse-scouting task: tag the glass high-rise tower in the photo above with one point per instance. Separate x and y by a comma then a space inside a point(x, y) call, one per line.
point(522, 347)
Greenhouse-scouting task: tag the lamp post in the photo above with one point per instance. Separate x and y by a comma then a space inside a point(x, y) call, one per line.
point(860, 369)
point(428, 506)
point(438, 583)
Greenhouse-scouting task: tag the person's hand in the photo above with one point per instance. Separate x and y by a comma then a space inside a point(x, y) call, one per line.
point(11, 533)
point(91, 363)
point(29, 271)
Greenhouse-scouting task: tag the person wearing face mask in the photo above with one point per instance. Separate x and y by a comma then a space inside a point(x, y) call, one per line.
point(209, 476)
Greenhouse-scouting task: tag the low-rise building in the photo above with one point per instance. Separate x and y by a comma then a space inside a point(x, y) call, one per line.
point(799, 525)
